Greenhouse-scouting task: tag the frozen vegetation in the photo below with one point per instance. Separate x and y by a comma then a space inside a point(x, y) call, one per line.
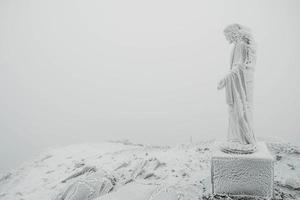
point(121, 170)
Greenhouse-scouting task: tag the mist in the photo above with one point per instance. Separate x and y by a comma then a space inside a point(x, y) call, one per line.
point(91, 71)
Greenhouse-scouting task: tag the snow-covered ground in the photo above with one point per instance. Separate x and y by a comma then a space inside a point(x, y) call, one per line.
point(121, 170)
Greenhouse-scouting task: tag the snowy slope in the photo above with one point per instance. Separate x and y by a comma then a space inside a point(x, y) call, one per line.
point(126, 171)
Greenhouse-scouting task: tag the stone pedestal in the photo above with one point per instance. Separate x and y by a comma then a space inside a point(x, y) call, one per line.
point(243, 174)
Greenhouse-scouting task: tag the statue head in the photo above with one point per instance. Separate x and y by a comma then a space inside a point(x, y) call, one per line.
point(237, 32)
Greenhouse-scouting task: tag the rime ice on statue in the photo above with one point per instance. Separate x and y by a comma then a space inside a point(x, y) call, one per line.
point(239, 90)
point(241, 166)
point(243, 174)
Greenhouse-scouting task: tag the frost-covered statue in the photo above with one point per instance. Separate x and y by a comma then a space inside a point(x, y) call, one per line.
point(238, 85)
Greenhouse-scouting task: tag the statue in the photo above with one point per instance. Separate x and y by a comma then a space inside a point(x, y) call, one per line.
point(238, 85)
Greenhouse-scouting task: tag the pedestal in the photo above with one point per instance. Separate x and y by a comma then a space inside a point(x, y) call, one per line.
point(243, 174)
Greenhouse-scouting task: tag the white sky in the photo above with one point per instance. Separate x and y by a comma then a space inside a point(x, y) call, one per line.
point(76, 71)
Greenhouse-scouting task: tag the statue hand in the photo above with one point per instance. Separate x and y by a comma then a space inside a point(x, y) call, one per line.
point(221, 84)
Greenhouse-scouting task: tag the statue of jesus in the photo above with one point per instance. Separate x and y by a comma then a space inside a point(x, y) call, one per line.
point(238, 85)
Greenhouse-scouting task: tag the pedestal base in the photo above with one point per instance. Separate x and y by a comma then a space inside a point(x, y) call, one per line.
point(243, 174)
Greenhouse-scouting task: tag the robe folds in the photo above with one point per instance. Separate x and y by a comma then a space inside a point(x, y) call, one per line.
point(239, 89)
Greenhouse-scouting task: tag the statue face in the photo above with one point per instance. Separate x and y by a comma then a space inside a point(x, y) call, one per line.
point(229, 37)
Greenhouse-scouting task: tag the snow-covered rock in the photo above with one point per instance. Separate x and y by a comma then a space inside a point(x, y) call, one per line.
point(293, 182)
point(88, 187)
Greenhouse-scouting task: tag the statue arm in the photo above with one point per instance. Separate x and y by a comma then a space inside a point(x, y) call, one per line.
point(234, 71)
point(239, 64)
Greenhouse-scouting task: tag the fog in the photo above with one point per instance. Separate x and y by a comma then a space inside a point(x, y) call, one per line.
point(75, 71)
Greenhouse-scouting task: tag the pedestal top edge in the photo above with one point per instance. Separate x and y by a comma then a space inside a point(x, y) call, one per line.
point(262, 152)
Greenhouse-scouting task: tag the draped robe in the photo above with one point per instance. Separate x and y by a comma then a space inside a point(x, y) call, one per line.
point(239, 94)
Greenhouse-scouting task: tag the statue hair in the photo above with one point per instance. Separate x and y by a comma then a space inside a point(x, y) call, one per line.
point(242, 33)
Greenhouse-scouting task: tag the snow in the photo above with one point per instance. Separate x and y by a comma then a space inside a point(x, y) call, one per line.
point(124, 170)
point(131, 191)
